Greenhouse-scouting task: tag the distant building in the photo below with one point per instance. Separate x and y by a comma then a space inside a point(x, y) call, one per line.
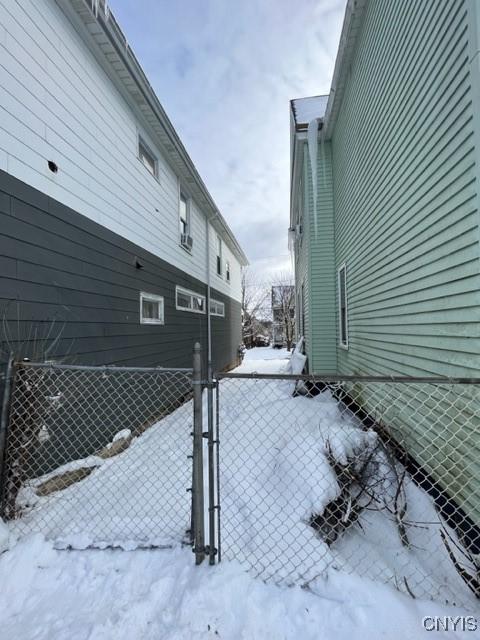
point(283, 315)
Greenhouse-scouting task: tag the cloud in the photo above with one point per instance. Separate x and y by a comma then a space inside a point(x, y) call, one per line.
point(225, 73)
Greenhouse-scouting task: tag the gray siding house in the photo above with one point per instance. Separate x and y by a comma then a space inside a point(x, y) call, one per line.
point(112, 250)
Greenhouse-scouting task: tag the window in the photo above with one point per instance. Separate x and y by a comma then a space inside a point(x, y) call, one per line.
point(217, 308)
point(151, 309)
point(342, 306)
point(147, 158)
point(184, 215)
point(190, 301)
point(227, 271)
point(219, 256)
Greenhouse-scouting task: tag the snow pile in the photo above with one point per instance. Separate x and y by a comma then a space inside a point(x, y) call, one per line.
point(136, 498)
point(152, 595)
point(276, 478)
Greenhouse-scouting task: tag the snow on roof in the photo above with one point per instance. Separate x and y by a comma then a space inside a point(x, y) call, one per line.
point(306, 109)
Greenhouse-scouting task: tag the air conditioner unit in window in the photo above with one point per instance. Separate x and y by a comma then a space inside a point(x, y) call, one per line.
point(186, 241)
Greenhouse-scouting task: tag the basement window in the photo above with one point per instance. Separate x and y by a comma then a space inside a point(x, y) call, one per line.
point(342, 307)
point(189, 301)
point(151, 309)
point(147, 158)
point(217, 308)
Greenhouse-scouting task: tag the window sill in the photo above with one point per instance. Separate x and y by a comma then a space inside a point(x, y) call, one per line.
point(186, 249)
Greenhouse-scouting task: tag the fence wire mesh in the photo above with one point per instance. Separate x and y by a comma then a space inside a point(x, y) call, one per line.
point(376, 478)
point(99, 456)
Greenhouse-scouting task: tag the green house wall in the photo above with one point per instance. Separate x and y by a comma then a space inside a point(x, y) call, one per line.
point(404, 173)
point(322, 308)
point(406, 218)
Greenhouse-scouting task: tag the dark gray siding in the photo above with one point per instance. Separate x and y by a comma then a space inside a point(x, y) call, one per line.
point(56, 264)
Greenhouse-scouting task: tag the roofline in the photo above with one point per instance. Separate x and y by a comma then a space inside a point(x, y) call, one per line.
point(303, 126)
point(110, 27)
point(354, 13)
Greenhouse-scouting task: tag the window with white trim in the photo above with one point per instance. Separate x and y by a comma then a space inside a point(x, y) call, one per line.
point(219, 256)
point(190, 301)
point(342, 307)
point(217, 308)
point(227, 271)
point(147, 158)
point(151, 309)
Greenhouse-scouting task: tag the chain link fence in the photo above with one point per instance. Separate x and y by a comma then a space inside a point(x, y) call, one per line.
point(99, 456)
point(302, 476)
point(376, 477)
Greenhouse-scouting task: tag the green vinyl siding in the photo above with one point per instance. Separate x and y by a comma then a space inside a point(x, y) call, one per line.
point(407, 223)
point(322, 263)
point(406, 195)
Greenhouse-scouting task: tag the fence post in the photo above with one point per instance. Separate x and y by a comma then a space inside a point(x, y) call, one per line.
point(7, 393)
point(197, 484)
point(211, 468)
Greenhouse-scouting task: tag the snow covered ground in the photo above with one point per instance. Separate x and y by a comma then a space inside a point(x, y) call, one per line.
point(107, 594)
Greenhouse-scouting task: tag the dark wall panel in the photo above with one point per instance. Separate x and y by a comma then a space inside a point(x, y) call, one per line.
point(68, 280)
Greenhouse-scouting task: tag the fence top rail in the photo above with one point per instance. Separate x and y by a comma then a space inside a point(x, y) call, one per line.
point(109, 368)
point(326, 378)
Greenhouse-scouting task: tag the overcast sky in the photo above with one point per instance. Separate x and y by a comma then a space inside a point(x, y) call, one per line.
point(225, 71)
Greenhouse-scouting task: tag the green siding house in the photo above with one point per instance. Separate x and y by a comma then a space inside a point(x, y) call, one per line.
point(385, 219)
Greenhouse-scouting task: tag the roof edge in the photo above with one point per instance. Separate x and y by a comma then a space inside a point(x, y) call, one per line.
point(354, 13)
point(109, 25)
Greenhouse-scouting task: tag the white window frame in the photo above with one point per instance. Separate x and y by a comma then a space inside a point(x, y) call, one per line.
point(193, 294)
point(221, 313)
point(152, 297)
point(183, 196)
point(342, 344)
point(147, 152)
point(218, 259)
point(228, 273)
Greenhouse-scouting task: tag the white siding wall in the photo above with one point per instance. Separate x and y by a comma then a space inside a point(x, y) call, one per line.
point(57, 103)
point(232, 288)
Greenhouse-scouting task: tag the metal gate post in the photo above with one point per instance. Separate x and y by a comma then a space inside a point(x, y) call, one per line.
point(211, 469)
point(7, 394)
point(217, 442)
point(197, 483)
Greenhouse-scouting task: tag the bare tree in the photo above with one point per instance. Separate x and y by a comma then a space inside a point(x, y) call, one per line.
point(283, 308)
point(254, 299)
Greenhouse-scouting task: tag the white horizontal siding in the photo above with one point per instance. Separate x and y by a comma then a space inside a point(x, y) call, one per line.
point(58, 103)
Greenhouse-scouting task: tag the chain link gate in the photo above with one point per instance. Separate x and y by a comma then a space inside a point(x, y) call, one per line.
point(373, 476)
